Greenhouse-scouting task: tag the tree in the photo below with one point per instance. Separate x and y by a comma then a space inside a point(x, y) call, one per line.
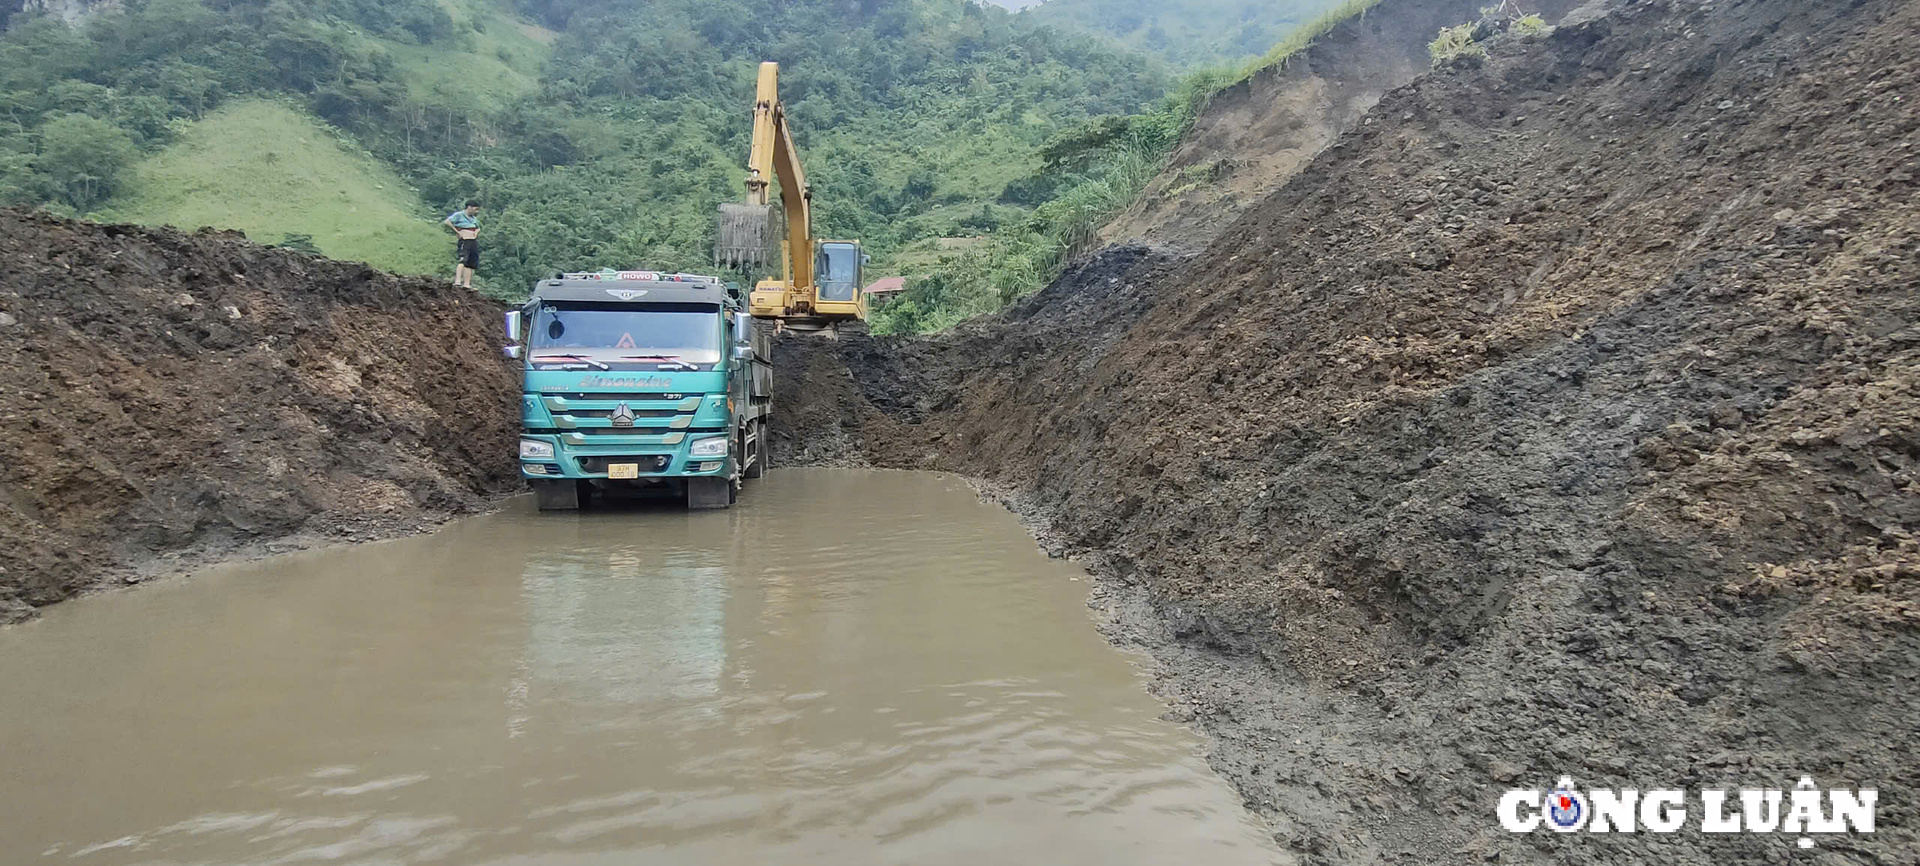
point(83, 159)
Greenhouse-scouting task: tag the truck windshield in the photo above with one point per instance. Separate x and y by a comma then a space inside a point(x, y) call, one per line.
point(620, 335)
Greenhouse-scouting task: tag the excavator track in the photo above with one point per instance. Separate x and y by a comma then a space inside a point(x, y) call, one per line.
point(832, 329)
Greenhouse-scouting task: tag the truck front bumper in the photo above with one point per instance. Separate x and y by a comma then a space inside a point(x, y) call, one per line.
point(648, 459)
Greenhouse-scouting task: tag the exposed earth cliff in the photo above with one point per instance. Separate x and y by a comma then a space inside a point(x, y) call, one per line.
point(163, 393)
point(1254, 135)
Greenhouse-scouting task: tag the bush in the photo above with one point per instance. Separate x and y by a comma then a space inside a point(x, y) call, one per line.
point(1456, 46)
point(299, 243)
point(83, 159)
point(1530, 27)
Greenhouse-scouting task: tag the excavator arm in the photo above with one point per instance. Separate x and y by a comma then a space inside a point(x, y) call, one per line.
point(774, 156)
point(752, 232)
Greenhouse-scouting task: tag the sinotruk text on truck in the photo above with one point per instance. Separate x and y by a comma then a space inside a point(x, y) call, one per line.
point(640, 383)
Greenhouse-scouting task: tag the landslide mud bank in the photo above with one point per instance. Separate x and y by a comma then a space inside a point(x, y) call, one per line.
point(1559, 419)
point(164, 393)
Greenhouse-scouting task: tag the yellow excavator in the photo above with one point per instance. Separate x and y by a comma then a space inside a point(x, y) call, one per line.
point(821, 280)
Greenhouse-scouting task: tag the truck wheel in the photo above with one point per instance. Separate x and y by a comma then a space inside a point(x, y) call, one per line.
point(755, 449)
point(557, 495)
point(709, 493)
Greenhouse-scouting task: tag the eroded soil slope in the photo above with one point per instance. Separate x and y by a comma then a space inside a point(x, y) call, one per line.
point(1252, 137)
point(164, 392)
point(1560, 420)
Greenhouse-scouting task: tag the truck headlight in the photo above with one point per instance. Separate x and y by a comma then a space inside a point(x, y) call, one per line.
point(712, 446)
point(534, 449)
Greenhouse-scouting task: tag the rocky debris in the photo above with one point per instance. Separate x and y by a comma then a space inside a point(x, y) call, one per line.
point(1558, 421)
point(200, 393)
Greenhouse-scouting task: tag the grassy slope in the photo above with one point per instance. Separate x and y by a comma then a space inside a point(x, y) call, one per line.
point(494, 60)
point(271, 170)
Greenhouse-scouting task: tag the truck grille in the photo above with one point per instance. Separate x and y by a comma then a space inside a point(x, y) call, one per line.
point(637, 413)
point(648, 462)
point(621, 431)
point(615, 396)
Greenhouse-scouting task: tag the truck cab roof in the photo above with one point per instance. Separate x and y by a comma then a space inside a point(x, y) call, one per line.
point(635, 291)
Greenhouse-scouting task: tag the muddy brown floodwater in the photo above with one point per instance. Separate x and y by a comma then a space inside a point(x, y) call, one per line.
point(850, 667)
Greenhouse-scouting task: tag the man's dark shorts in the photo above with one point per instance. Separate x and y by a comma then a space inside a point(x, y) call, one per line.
point(467, 253)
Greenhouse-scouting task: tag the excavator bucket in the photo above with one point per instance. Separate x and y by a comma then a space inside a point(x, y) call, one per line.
point(750, 236)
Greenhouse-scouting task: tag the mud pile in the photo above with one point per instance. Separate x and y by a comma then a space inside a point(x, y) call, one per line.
point(1560, 418)
point(163, 393)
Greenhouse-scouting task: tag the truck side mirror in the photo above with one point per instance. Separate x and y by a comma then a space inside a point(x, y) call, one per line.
point(742, 328)
point(743, 352)
point(513, 334)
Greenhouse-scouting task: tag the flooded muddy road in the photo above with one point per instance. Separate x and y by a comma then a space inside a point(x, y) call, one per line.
point(850, 667)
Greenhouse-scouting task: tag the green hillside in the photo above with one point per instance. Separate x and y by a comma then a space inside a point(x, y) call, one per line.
point(272, 171)
point(597, 132)
point(1188, 34)
point(973, 149)
point(916, 118)
point(491, 60)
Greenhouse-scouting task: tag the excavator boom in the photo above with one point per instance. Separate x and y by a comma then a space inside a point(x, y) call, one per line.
point(753, 232)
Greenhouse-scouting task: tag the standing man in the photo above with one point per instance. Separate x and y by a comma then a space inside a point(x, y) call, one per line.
point(466, 251)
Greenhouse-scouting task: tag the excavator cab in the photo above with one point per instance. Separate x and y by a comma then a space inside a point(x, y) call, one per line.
point(838, 270)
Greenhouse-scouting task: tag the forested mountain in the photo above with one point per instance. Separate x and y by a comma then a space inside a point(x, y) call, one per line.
point(914, 116)
point(1186, 33)
point(597, 132)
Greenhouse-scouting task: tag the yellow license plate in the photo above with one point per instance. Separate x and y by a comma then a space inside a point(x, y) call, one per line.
point(623, 470)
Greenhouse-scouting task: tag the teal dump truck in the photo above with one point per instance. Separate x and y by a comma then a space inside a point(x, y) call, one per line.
point(640, 383)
